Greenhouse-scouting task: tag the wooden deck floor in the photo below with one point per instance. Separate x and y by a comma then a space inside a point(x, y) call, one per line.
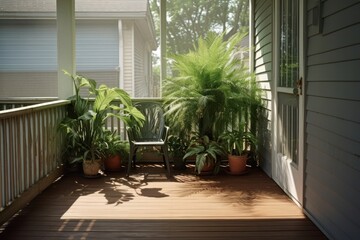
point(149, 206)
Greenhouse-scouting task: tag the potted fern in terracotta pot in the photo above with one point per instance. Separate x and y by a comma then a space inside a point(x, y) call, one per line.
point(236, 142)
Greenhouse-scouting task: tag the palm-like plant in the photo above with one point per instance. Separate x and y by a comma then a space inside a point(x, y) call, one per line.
point(211, 83)
point(85, 124)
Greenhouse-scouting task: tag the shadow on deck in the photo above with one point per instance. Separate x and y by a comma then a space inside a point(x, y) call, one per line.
point(148, 205)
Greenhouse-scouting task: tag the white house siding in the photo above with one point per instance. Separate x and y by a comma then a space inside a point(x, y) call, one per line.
point(141, 83)
point(28, 58)
point(263, 68)
point(128, 57)
point(97, 50)
point(332, 171)
point(28, 61)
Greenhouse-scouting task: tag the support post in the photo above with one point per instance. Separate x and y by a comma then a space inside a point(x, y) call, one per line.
point(162, 42)
point(65, 19)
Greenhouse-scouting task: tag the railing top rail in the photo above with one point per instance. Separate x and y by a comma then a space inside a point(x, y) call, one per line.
point(9, 100)
point(32, 108)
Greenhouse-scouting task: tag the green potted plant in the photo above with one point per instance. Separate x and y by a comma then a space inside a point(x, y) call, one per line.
point(115, 150)
point(207, 154)
point(210, 88)
point(84, 126)
point(177, 149)
point(235, 143)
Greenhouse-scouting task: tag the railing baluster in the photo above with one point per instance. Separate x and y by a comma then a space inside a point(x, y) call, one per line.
point(30, 147)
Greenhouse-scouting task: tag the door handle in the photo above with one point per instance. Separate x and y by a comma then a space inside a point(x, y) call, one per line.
point(298, 89)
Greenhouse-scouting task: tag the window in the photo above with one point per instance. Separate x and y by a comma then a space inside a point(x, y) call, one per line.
point(289, 43)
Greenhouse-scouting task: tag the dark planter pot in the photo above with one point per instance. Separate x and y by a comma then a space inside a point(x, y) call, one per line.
point(113, 163)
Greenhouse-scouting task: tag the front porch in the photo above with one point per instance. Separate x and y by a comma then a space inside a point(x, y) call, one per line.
point(148, 205)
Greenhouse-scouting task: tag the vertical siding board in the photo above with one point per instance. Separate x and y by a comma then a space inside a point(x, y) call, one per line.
point(263, 69)
point(332, 169)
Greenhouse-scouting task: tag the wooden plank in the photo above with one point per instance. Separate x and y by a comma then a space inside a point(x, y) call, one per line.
point(147, 205)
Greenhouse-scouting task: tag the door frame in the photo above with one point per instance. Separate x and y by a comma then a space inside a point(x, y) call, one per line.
point(276, 74)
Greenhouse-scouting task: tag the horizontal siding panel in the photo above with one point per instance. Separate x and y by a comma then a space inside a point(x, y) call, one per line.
point(336, 146)
point(333, 7)
point(338, 90)
point(264, 41)
point(263, 22)
point(342, 71)
point(265, 77)
point(97, 45)
point(332, 18)
point(263, 32)
point(109, 78)
point(345, 37)
point(28, 45)
point(265, 86)
point(319, 206)
point(335, 107)
point(344, 196)
point(349, 53)
point(262, 10)
point(348, 185)
point(263, 68)
point(263, 51)
point(28, 84)
point(265, 58)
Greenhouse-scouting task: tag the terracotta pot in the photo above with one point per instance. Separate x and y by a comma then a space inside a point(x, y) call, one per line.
point(208, 168)
point(91, 168)
point(113, 163)
point(237, 164)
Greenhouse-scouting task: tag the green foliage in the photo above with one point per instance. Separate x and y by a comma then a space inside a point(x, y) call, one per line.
point(84, 127)
point(235, 141)
point(188, 20)
point(113, 145)
point(211, 90)
point(177, 146)
point(206, 151)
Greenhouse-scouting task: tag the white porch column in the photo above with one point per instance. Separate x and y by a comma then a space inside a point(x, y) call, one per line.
point(65, 15)
point(162, 42)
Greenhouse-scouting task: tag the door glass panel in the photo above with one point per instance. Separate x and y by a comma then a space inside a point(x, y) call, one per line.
point(288, 137)
point(289, 43)
point(288, 110)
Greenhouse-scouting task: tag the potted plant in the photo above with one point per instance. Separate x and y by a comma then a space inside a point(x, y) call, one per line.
point(235, 142)
point(115, 150)
point(207, 154)
point(210, 88)
point(177, 149)
point(84, 126)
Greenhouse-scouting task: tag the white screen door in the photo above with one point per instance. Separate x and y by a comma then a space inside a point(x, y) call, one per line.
point(288, 140)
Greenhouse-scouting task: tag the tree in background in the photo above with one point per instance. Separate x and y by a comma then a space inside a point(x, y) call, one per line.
point(188, 20)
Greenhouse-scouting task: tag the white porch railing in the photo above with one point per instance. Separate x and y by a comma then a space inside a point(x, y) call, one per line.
point(16, 102)
point(30, 150)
